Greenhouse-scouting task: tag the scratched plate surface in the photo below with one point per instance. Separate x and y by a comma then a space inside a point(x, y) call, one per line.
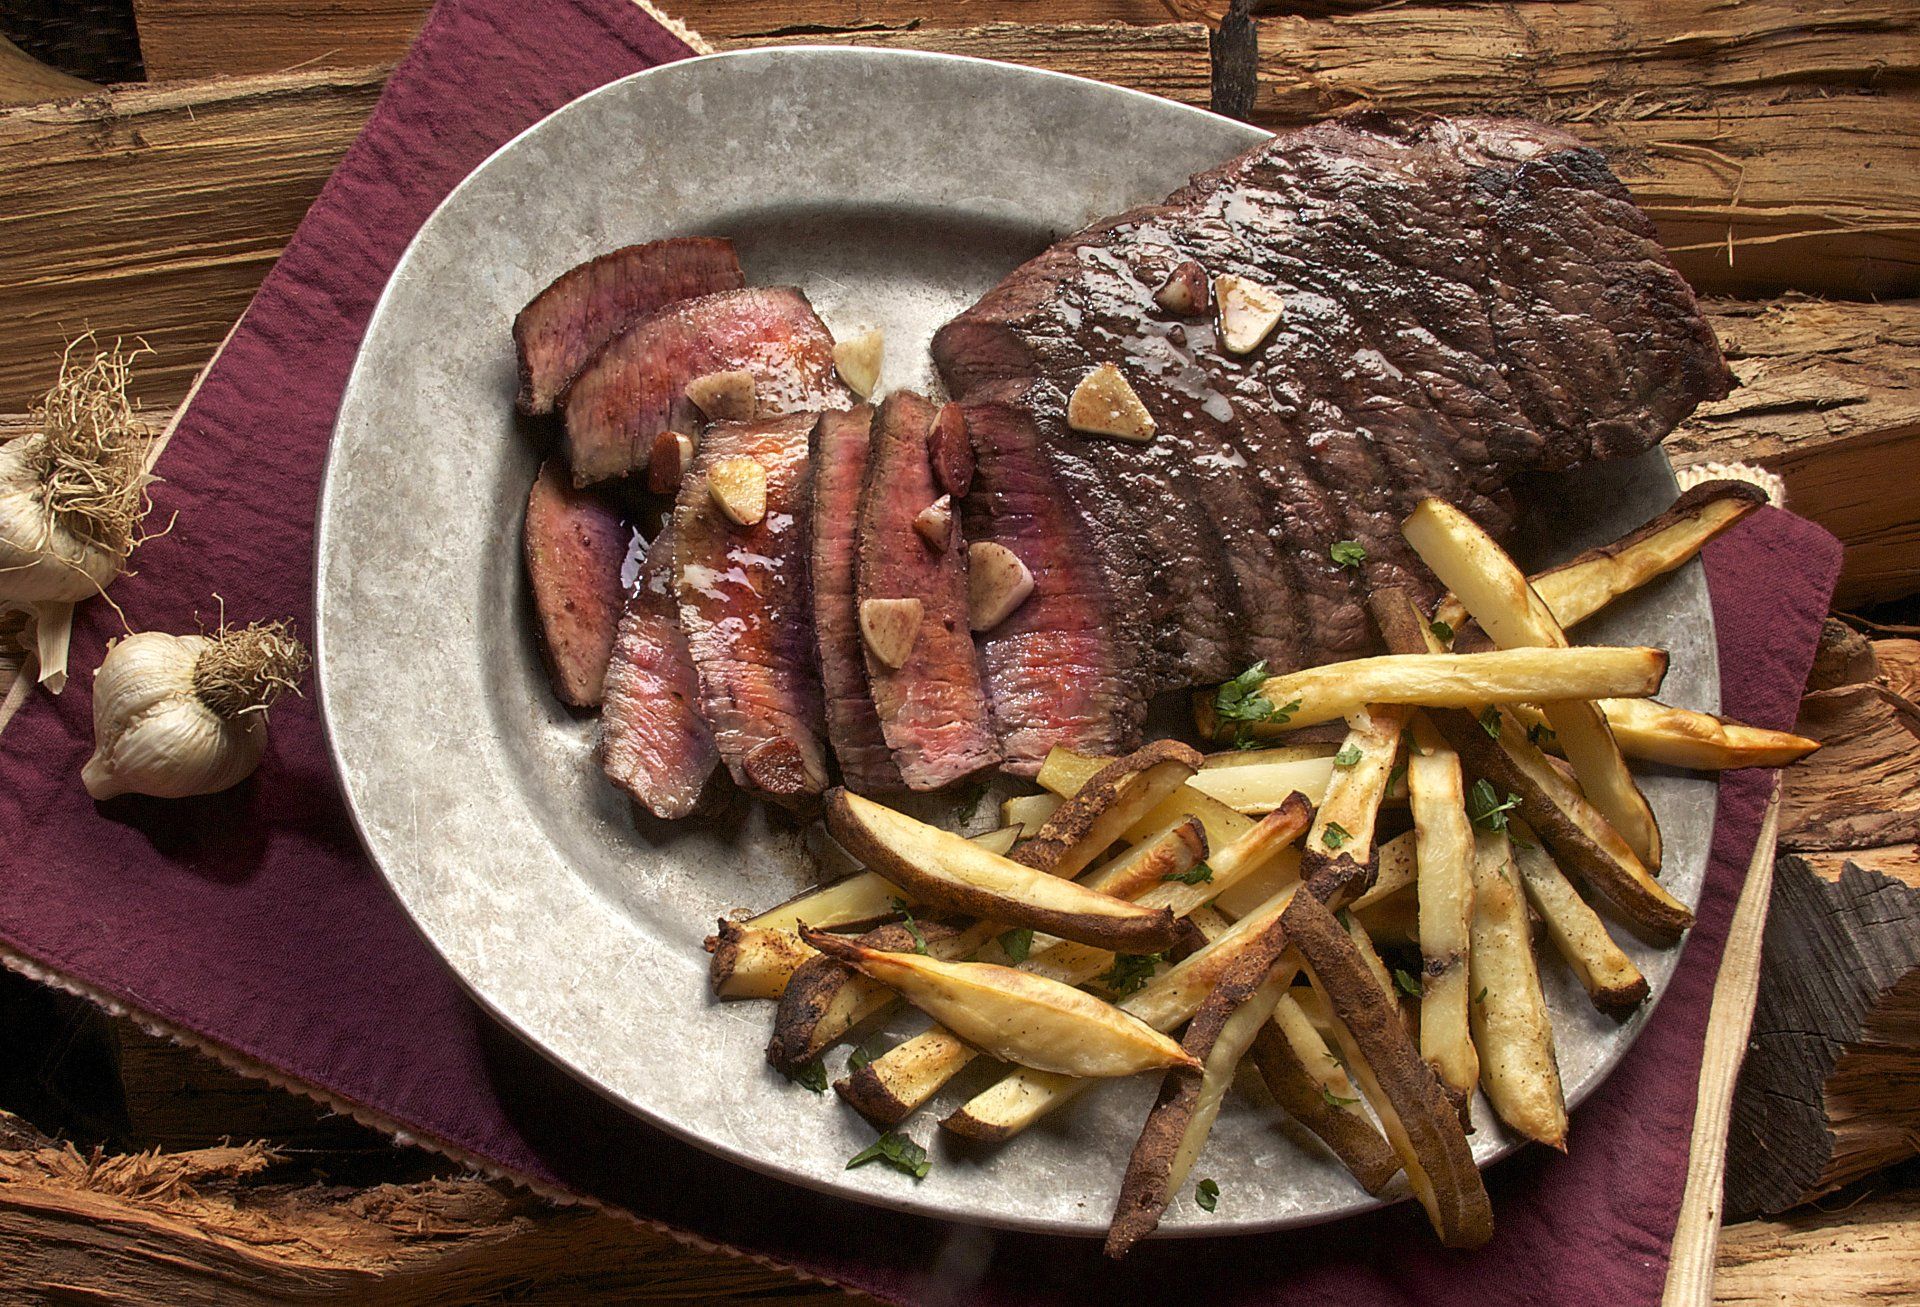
point(894, 188)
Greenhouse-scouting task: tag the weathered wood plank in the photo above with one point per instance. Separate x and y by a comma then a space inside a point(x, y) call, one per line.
point(1865, 1255)
point(1726, 120)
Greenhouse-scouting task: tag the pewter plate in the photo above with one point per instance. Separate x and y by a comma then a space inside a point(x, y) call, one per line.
point(895, 188)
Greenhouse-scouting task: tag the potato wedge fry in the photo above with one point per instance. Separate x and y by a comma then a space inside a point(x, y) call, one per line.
point(862, 899)
point(753, 962)
point(1554, 807)
point(1393, 922)
point(1494, 589)
point(1014, 1015)
point(1582, 586)
point(1266, 847)
point(1065, 771)
point(946, 872)
point(1511, 1027)
point(1189, 1102)
point(1284, 753)
point(1343, 825)
point(1680, 737)
point(1256, 791)
point(1309, 1083)
point(1174, 852)
point(1609, 976)
point(1028, 813)
point(1329, 692)
point(1106, 806)
point(1419, 1120)
point(1395, 869)
point(1445, 858)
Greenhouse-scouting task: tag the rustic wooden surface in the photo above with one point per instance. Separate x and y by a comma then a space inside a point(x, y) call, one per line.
point(1774, 141)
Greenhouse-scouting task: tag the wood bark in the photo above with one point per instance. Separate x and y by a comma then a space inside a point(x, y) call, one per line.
point(1723, 119)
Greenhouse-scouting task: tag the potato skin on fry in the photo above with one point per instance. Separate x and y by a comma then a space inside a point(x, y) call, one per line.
point(1350, 1137)
point(1081, 828)
point(750, 962)
point(824, 999)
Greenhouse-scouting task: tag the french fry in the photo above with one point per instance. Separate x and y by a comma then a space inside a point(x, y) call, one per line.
point(1014, 1015)
point(1495, 591)
point(947, 873)
point(1152, 862)
point(1277, 754)
point(1511, 1027)
point(1395, 869)
point(1582, 586)
point(1308, 1082)
point(1393, 921)
point(1065, 771)
point(1343, 825)
point(1028, 813)
point(1332, 691)
point(1680, 737)
point(1256, 790)
point(753, 962)
point(862, 899)
point(1418, 1119)
point(1609, 976)
point(1106, 806)
point(1189, 1102)
point(1445, 858)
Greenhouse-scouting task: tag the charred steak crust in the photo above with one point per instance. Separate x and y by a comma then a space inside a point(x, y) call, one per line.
point(636, 386)
point(1465, 300)
point(654, 742)
point(586, 306)
point(747, 613)
point(841, 442)
point(932, 708)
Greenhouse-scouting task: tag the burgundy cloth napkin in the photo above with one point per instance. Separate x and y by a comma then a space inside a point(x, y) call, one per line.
point(252, 923)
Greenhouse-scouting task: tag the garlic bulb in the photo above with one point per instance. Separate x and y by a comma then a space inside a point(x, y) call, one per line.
point(178, 715)
point(72, 496)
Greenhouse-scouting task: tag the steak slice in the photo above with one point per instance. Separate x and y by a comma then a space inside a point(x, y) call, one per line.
point(933, 708)
point(575, 547)
point(584, 307)
point(747, 614)
point(654, 744)
point(635, 387)
point(841, 443)
point(1465, 300)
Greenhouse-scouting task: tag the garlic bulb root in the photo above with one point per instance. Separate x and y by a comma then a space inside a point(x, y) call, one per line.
point(179, 715)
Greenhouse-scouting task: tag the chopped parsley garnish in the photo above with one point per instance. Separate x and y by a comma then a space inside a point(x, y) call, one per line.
point(1348, 755)
point(1407, 984)
point(1335, 835)
point(1442, 631)
point(1207, 1194)
point(1485, 809)
point(1398, 774)
point(1348, 553)
point(1240, 703)
point(913, 927)
point(1130, 972)
point(1334, 1100)
point(1016, 944)
point(1198, 874)
point(811, 1076)
point(1490, 721)
point(861, 1057)
point(1481, 997)
point(1540, 735)
point(1345, 919)
point(897, 1151)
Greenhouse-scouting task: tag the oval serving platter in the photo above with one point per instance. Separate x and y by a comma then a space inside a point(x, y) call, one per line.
point(894, 188)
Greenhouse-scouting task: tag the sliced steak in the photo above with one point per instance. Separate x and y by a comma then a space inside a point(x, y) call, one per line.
point(562, 326)
point(747, 614)
point(575, 546)
point(932, 706)
point(635, 387)
point(654, 743)
point(1464, 300)
point(840, 447)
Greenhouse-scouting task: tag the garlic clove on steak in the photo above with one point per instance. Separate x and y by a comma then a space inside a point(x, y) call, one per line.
point(997, 584)
point(1184, 292)
point(858, 362)
point(1103, 404)
point(725, 396)
point(890, 627)
point(739, 487)
point(1248, 312)
point(935, 522)
point(667, 465)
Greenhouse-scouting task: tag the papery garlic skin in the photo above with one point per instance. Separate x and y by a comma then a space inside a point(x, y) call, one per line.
point(40, 559)
point(153, 735)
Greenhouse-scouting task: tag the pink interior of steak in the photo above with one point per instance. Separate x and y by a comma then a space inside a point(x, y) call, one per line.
point(654, 741)
point(635, 387)
point(841, 445)
point(933, 710)
point(747, 613)
point(574, 546)
point(562, 326)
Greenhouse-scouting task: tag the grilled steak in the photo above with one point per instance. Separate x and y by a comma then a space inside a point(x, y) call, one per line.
point(654, 744)
point(585, 307)
point(575, 547)
point(840, 446)
point(635, 387)
point(932, 707)
point(1464, 300)
point(747, 615)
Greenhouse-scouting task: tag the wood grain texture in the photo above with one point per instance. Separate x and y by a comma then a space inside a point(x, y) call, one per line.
point(1864, 1255)
point(1724, 119)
